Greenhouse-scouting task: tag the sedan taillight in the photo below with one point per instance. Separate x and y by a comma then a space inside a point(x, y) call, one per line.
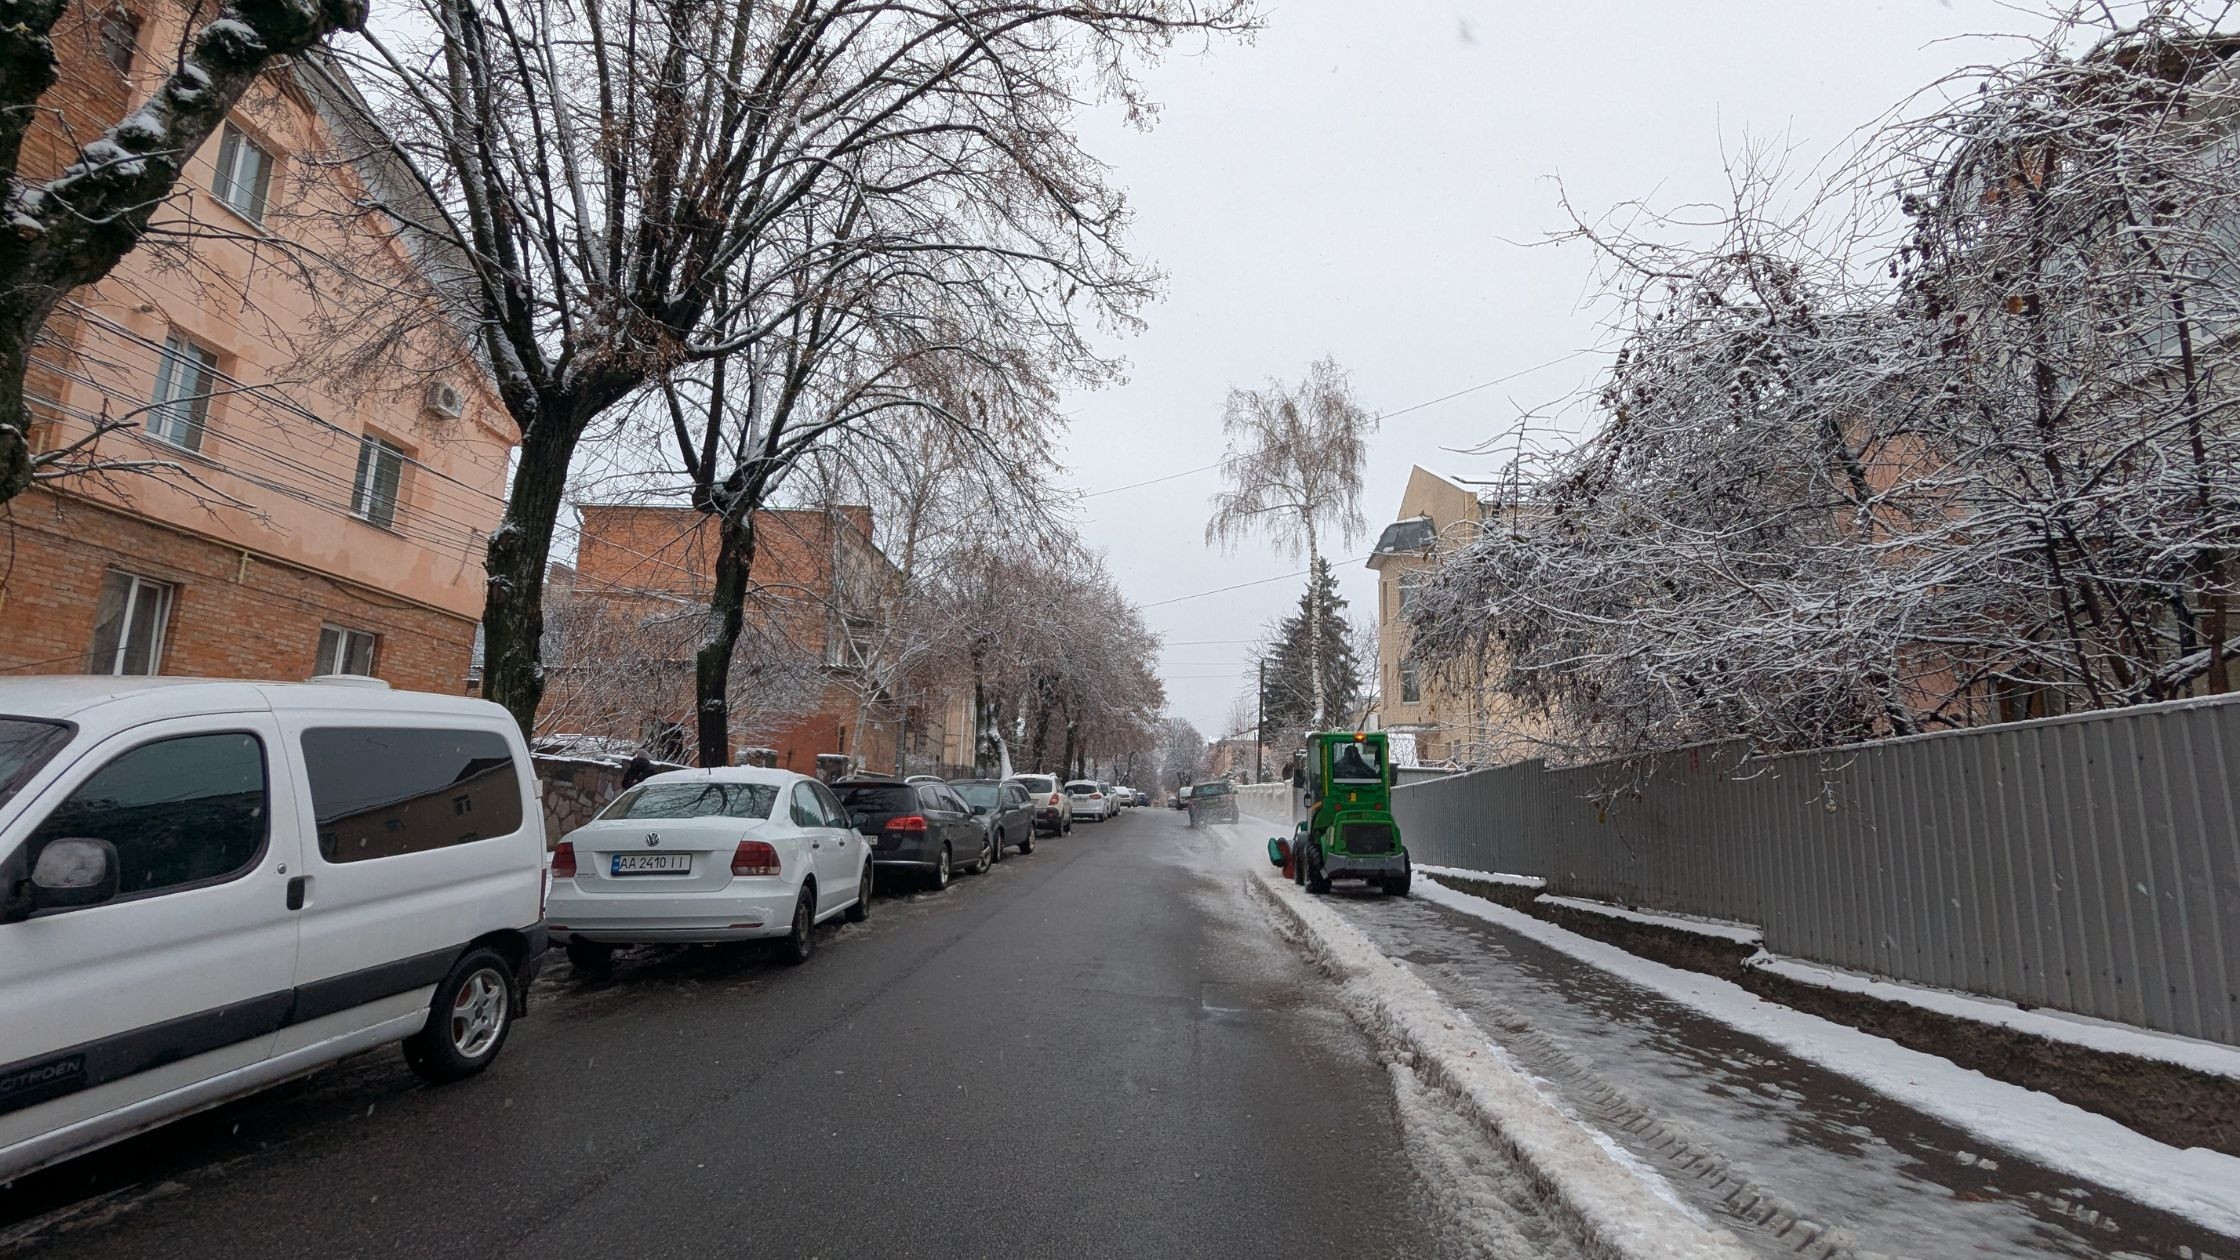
point(754, 858)
point(564, 860)
point(908, 822)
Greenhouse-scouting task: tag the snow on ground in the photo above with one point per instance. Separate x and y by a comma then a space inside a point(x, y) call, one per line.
point(1622, 1206)
point(2200, 1186)
point(1490, 877)
point(2079, 1030)
point(1739, 933)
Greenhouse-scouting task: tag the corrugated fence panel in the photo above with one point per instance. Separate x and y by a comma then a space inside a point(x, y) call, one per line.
point(2088, 863)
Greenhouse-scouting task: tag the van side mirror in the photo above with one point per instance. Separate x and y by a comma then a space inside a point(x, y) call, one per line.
point(74, 871)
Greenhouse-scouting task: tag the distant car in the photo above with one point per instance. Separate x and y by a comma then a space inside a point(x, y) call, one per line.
point(1116, 794)
point(1181, 797)
point(1215, 800)
point(1053, 809)
point(1002, 804)
point(698, 857)
point(922, 828)
point(1090, 804)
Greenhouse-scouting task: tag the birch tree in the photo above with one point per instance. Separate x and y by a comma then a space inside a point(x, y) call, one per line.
point(1293, 467)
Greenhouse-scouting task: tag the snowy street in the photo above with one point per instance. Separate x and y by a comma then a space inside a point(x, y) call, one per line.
point(1100, 1049)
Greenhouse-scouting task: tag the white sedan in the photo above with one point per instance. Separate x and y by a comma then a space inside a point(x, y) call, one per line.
point(697, 857)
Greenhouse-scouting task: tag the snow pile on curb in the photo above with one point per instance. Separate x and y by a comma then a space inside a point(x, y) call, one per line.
point(2076, 1030)
point(1738, 933)
point(1624, 1212)
point(2201, 1185)
point(1484, 877)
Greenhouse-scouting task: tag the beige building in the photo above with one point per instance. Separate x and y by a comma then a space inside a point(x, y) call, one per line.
point(1452, 719)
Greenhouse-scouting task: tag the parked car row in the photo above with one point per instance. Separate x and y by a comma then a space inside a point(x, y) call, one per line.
point(1095, 801)
point(207, 887)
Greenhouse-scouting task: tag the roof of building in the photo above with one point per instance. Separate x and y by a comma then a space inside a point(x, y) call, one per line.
point(1413, 534)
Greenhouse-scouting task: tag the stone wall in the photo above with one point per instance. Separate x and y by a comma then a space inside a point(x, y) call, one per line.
point(575, 789)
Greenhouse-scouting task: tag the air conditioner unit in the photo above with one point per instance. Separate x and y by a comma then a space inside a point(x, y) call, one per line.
point(444, 399)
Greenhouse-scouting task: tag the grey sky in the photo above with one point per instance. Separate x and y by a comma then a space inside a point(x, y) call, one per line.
point(1351, 184)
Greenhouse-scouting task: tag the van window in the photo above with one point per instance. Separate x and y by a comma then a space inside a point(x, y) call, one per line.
point(183, 811)
point(387, 791)
point(26, 745)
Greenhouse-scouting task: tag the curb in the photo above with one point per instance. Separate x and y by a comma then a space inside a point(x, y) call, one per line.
point(1616, 1212)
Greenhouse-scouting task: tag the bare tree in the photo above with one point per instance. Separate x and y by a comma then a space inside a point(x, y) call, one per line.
point(610, 171)
point(1852, 482)
point(1294, 471)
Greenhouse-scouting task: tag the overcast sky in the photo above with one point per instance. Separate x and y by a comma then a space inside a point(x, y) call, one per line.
point(1360, 181)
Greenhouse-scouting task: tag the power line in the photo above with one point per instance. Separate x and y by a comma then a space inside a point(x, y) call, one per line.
point(1222, 590)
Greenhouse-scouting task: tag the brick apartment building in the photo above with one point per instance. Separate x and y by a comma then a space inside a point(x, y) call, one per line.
point(317, 519)
point(810, 678)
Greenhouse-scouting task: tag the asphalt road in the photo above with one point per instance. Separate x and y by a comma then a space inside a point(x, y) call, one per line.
point(1096, 1050)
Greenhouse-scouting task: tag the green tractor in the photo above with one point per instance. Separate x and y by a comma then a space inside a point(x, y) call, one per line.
point(1349, 833)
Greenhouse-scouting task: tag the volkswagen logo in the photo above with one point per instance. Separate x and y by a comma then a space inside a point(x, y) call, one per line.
point(652, 838)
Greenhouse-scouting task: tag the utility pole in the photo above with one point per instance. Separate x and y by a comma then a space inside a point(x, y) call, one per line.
point(1259, 719)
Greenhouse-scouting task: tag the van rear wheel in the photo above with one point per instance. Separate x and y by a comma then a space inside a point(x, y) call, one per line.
point(468, 1019)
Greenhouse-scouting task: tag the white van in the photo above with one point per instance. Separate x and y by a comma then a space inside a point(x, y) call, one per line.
point(207, 887)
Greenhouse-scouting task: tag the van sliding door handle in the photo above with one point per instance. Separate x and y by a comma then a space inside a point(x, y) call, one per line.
point(295, 891)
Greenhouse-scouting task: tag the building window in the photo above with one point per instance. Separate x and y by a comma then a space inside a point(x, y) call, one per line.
point(380, 472)
point(244, 174)
point(128, 630)
point(1411, 685)
point(120, 38)
point(1408, 584)
point(345, 651)
point(186, 374)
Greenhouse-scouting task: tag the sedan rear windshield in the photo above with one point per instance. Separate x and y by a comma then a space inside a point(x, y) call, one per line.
point(694, 800)
point(880, 798)
point(1082, 789)
point(25, 745)
point(1038, 783)
point(1210, 789)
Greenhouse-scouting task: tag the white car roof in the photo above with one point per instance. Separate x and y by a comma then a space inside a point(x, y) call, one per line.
point(102, 703)
point(728, 774)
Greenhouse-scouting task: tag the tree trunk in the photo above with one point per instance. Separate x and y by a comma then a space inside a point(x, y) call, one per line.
point(727, 617)
point(1319, 702)
point(513, 608)
point(1038, 747)
point(17, 327)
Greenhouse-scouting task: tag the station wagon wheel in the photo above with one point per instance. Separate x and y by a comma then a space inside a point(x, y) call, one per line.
point(941, 870)
point(468, 1019)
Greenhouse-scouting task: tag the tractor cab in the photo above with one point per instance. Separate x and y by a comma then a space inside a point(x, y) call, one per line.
point(1345, 781)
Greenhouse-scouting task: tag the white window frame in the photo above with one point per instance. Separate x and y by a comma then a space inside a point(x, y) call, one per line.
point(1411, 681)
point(373, 449)
point(249, 198)
point(338, 660)
point(137, 589)
point(186, 377)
